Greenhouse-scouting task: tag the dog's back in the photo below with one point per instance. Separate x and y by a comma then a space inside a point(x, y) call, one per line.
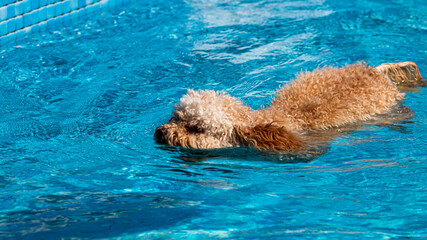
point(330, 97)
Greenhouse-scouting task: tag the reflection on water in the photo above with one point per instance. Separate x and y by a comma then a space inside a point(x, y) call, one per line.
point(78, 110)
point(251, 155)
point(228, 13)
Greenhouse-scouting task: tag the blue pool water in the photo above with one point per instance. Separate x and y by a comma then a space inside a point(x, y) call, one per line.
point(78, 109)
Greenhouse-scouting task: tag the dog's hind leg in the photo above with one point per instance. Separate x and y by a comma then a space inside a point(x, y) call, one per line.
point(404, 74)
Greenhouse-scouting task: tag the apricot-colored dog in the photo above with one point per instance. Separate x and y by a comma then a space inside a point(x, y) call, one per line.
point(322, 99)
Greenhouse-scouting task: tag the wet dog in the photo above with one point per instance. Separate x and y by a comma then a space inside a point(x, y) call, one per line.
point(323, 99)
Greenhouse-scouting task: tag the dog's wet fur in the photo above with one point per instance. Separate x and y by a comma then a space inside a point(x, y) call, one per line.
point(307, 112)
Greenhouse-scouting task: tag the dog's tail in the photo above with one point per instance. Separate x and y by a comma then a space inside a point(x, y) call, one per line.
point(402, 74)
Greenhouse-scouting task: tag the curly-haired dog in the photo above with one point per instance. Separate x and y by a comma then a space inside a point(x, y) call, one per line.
point(322, 99)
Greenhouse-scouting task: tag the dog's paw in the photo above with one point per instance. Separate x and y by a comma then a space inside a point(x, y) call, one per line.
point(402, 74)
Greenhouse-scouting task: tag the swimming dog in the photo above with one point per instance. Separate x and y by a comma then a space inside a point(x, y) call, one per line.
point(322, 99)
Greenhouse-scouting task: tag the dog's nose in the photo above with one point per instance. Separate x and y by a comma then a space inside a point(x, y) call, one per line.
point(160, 134)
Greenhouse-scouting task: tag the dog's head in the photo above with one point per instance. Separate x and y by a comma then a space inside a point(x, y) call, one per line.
point(209, 119)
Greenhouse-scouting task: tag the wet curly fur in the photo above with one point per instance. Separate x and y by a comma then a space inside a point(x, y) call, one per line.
point(325, 98)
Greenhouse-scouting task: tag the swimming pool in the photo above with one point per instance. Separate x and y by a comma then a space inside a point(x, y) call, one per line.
point(78, 109)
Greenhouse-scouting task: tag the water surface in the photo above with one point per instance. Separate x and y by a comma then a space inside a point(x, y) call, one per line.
point(78, 109)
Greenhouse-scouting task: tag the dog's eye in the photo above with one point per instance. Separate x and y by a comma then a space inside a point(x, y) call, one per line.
point(174, 119)
point(194, 129)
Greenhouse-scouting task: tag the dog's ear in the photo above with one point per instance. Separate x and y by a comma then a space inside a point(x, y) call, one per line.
point(267, 136)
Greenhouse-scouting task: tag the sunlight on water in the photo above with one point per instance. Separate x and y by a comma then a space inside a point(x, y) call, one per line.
point(78, 109)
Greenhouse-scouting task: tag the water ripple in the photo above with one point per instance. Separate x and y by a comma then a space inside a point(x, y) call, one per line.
point(78, 110)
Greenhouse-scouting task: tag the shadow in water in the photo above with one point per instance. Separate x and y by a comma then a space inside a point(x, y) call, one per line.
point(248, 154)
point(83, 215)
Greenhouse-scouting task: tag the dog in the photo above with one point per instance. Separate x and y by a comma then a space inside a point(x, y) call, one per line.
point(323, 99)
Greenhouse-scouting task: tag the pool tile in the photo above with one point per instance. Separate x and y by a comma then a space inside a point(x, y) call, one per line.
point(112, 3)
point(19, 35)
point(35, 17)
point(25, 16)
point(11, 25)
point(27, 19)
point(66, 6)
point(104, 4)
point(82, 3)
point(43, 25)
point(11, 11)
point(3, 13)
point(74, 16)
point(3, 28)
point(27, 5)
point(3, 41)
point(19, 22)
point(59, 21)
point(89, 10)
point(42, 3)
point(67, 20)
point(74, 4)
point(50, 11)
point(34, 5)
point(35, 29)
point(82, 13)
point(27, 31)
point(43, 13)
point(58, 9)
point(51, 24)
point(96, 8)
point(11, 37)
point(19, 8)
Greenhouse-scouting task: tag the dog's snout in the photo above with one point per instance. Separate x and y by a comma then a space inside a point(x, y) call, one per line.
point(160, 134)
